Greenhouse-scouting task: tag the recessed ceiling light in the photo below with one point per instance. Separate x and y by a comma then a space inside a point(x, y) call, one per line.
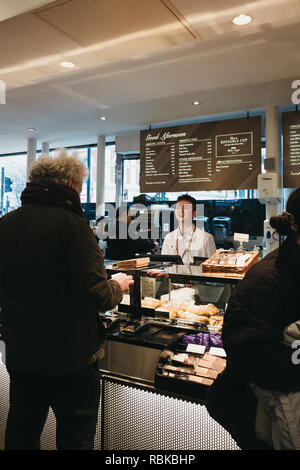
point(196, 103)
point(31, 129)
point(67, 65)
point(242, 20)
point(103, 118)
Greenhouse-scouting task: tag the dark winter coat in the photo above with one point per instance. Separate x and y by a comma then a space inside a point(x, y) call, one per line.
point(263, 304)
point(52, 286)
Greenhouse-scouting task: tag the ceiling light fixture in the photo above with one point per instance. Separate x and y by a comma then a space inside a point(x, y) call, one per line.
point(67, 65)
point(196, 103)
point(242, 20)
point(31, 129)
point(103, 118)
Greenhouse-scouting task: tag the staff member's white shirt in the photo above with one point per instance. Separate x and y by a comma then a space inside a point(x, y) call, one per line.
point(193, 243)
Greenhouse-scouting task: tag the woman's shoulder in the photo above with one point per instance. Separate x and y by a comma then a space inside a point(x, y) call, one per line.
point(267, 266)
point(263, 276)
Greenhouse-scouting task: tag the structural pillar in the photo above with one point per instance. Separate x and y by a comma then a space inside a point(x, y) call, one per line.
point(118, 180)
point(272, 154)
point(100, 192)
point(31, 152)
point(45, 147)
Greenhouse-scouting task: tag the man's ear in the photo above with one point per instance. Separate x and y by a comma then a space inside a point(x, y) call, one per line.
point(70, 182)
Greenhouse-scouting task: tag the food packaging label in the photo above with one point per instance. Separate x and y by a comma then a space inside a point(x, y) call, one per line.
point(180, 357)
point(200, 380)
point(212, 374)
point(196, 348)
point(217, 352)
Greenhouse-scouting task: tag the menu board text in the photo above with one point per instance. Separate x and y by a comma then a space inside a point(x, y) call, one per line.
point(206, 156)
point(291, 149)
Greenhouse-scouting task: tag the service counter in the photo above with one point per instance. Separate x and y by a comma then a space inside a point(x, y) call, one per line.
point(141, 407)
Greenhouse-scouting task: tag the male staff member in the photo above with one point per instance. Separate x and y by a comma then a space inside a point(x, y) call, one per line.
point(52, 286)
point(188, 240)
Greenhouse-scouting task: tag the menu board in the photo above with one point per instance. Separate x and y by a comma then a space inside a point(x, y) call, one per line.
point(291, 149)
point(201, 157)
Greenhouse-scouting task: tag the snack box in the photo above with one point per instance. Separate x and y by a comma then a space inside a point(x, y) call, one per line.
point(187, 374)
point(231, 262)
point(133, 263)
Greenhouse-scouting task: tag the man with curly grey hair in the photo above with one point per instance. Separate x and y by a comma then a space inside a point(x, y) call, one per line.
point(52, 286)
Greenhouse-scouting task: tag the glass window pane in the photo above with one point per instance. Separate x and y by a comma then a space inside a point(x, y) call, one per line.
point(131, 187)
point(131, 181)
point(83, 156)
point(93, 174)
point(110, 169)
point(13, 167)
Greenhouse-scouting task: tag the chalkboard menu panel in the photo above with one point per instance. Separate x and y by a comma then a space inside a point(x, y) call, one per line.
point(201, 157)
point(291, 149)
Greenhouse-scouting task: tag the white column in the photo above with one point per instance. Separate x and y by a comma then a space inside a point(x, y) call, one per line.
point(45, 147)
point(31, 151)
point(100, 192)
point(118, 180)
point(272, 151)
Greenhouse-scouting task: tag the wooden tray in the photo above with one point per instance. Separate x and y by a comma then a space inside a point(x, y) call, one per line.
point(133, 263)
point(227, 262)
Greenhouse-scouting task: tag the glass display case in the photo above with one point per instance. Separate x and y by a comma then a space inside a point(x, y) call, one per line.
point(170, 310)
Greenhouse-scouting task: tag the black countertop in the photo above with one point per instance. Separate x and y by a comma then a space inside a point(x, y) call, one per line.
point(176, 272)
point(154, 335)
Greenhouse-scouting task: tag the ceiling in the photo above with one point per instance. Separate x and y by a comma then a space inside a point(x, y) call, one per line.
point(139, 63)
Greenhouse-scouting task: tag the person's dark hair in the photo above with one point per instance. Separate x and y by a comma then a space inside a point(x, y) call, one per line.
point(288, 223)
point(187, 197)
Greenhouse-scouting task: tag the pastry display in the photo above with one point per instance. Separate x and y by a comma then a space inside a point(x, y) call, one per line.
point(231, 262)
point(149, 302)
point(206, 310)
point(177, 368)
point(186, 315)
point(198, 313)
point(216, 320)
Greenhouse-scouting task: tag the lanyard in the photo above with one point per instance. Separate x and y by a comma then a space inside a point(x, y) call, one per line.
point(189, 246)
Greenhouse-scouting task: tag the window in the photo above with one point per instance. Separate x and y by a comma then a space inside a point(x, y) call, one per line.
point(131, 187)
point(13, 170)
point(110, 172)
point(131, 180)
point(93, 173)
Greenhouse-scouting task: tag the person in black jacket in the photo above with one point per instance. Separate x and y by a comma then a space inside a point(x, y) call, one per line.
point(122, 246)
point(261, 307)
point(52, 286)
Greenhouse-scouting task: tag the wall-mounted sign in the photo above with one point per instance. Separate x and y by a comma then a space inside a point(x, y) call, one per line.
point(200, 157)
point(291, 149)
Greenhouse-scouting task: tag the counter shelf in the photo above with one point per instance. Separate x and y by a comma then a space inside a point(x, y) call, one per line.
point(176, 274)
point(137, 358)
point(157, 333)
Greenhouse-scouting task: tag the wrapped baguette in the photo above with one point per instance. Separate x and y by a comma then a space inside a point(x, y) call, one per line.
point(216, 320)
point(150, 303)
point(192, 317)
point(206, 310)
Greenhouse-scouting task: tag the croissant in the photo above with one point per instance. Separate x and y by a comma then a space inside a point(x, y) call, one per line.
point(216, 320)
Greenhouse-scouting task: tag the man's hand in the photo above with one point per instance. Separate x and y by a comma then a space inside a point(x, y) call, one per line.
point(124, 280)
